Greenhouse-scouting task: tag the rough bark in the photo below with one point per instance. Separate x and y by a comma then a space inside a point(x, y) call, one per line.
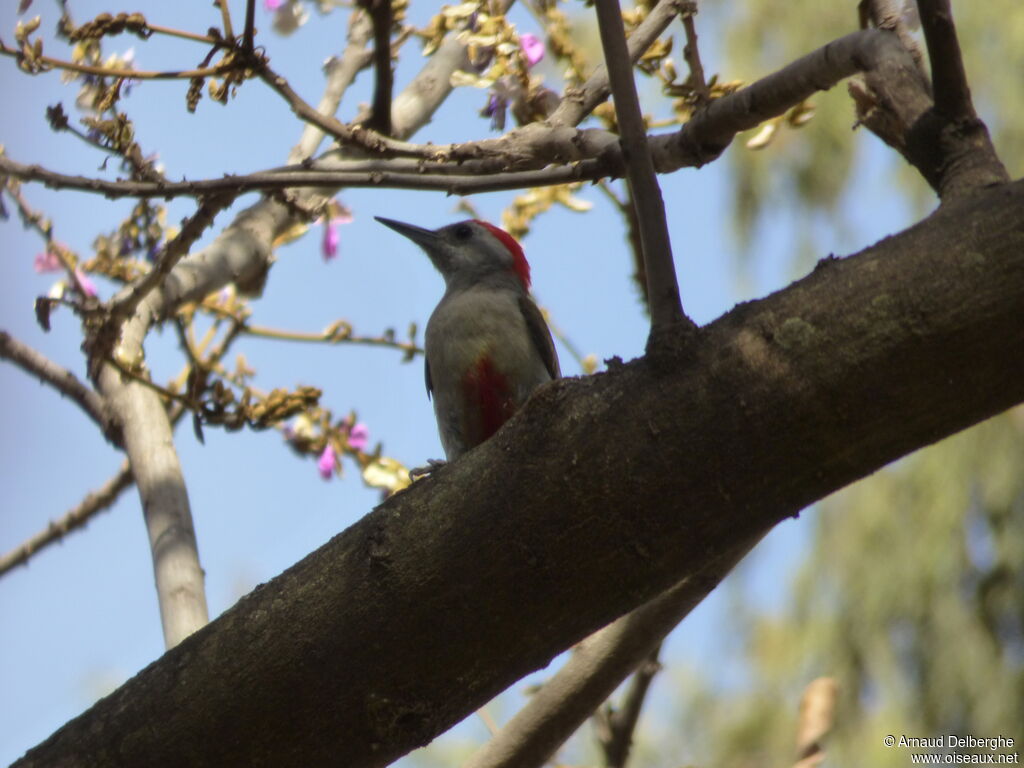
point(602, 493)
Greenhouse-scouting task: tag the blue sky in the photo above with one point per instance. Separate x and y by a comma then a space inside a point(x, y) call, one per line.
point(82, 616)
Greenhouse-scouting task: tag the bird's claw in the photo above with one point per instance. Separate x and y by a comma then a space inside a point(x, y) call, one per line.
point(432, 465)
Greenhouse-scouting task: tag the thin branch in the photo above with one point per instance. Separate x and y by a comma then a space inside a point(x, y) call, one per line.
point(128, 300)
point(616, 727)
point(61, 379)
point(454, 184)
point(577, 104)
point(250, 26)
point(183, 34)
point(586, 366)
point(691, 53)
point(35, 219)
point(225, 15)
point(135, 74)
point(358, 136)
point(662, 288)
point(339, 332)
point(94, 503)
point(596, 668)
point(380, 13)
point(949, 80)
point(133, 23)
point(341, 73)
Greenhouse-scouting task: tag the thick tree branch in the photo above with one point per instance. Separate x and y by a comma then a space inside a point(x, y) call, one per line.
point(667, 318)
point(777, 404)
point(420, 99)
point(149, 443)
point(92, 504)
point(60, 378)
point(889, 15)
point(953, 152)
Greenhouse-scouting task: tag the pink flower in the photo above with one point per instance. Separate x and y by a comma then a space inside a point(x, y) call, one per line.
point(325, 464)
point(46, 261)
point(533, 48)
point(358, 437)
point(272, 5)
point(337, 214)
point(332, 238)
point(87, 285)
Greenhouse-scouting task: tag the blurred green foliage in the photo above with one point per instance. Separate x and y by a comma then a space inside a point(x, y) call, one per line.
point(911, 593)
point(805, 172)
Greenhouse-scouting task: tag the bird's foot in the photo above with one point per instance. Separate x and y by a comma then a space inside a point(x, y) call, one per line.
point(432, 465)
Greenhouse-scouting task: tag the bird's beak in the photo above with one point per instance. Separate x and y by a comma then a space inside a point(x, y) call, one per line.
point(425, 238)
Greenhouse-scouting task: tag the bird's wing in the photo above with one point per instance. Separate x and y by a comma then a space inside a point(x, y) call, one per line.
point(540, 335)
point(426, 377)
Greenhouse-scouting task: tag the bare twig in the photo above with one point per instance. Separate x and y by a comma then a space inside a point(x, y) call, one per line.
point(89, 507)
point(692, 55)
point(616, 727)
point(61, 379)
point(34, 218)
point(354, 135)
point(135, 74)
point(339, 332)
point(183, 34)
point(662, 289)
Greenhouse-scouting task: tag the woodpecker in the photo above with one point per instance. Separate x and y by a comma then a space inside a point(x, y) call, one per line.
point(487, 345)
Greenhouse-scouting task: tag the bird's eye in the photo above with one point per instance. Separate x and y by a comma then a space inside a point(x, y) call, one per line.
point(463, 232)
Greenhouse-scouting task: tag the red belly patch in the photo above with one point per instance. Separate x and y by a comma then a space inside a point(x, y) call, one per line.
point(488, 400)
